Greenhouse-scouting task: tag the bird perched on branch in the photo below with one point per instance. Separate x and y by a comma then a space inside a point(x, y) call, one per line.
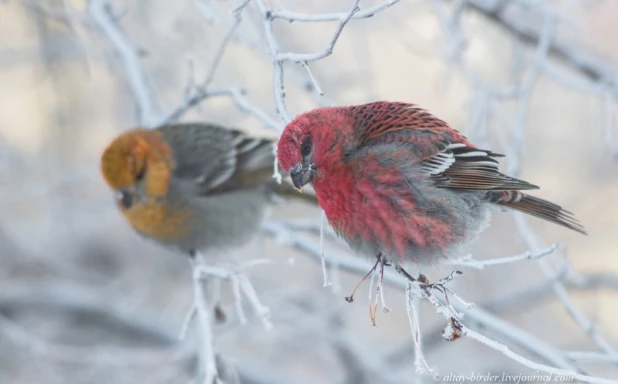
point(195, 187)
point(398, 183)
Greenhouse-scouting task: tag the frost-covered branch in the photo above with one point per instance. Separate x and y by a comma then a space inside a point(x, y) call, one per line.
point(202, 309)
point(145, 97)
point(201, 90)
point(468, 261)
point(360, 14)
point(278, 58)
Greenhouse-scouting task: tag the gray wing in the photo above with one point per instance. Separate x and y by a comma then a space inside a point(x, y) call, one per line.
point(216, 159)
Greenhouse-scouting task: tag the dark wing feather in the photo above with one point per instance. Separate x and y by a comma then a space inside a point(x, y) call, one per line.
point(460, 166)
point(537, 207)
point(216, 159)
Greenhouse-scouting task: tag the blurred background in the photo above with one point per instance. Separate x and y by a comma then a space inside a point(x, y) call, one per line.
point(84, 299)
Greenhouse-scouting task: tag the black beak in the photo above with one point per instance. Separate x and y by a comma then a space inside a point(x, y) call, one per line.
point(125, 198)
point(302, 174)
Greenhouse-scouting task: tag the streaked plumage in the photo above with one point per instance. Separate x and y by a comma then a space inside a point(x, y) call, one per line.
point(394, 179)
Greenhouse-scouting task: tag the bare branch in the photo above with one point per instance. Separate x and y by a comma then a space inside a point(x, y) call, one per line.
point(566, 374)
point(360, 14)
point(224, 43)
point(278, 59)
point(312, 78)
point(201, 90)
point(261, 310)
point(595, 357)
point(240, 282)
point(298, 57)
point(237, 96)
point(148, 109)
point(273, 46)
point(482, 264)
point(207, 364)
point(412, 307)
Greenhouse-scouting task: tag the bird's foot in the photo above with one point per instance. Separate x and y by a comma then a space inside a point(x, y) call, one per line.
point(379, 294)
point(426, 286)
point(350, 298)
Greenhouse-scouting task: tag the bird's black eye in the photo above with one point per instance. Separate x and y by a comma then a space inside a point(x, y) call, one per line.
point(141, 174)
point(125, 198)
point(305, 150)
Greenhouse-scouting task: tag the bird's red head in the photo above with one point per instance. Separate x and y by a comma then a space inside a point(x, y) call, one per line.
point(295, 150)
point(308, 142)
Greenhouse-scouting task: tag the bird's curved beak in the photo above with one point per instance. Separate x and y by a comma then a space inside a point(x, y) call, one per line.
point(302, 174)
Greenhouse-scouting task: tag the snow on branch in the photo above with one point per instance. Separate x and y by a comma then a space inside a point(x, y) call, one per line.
point(468, 261)
point(279, 58)
point(284, 14)
point(457, 325)
point(137, 79)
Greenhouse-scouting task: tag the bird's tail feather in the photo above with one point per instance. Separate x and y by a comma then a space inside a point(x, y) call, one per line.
point(540, 208)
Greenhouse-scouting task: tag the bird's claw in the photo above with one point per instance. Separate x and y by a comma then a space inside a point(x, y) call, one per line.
point(426, 286)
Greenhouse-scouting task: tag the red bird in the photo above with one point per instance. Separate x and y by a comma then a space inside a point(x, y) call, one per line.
point(399, 183)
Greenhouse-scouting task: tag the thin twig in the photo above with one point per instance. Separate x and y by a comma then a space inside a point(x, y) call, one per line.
point(207, 364)
point(307, 57)
point(278, 59)
point(412, 308)
point(237, 97)
point(148, 109)
point(242, 284)
point(567, 374)
point(273, 47)
point(301, 17)
point(312, 78)
point(262, 311)
point(595, 357)
point(482, 264)
point(201, 90)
